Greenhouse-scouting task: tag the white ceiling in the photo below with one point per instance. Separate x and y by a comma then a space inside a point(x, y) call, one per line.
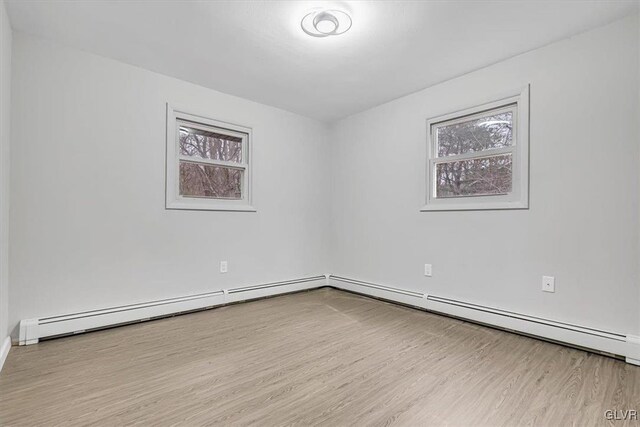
point(256, 49)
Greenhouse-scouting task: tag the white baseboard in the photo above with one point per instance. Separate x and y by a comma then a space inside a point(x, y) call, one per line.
point(588, 338)
point(32, 330)
point(4, 351)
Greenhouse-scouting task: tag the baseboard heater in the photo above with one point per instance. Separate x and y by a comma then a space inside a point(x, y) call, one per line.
point(601, 341)
point(380, 291)
point(628, 346)
point(33, 330)
point(274, 285)
point(588, 338)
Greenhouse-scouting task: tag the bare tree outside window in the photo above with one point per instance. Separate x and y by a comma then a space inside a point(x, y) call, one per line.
point(475, 135)
point(209, 163)
point(209, 145)
point(478, 157)
point(200, 180)
point(465, 166)
point(476, 177)
point(197, 179)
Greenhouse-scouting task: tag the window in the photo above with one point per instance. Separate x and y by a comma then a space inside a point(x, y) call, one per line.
point(207, 164)
point(478, 158)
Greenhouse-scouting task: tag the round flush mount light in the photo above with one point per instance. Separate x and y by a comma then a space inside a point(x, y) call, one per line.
point(324, 23)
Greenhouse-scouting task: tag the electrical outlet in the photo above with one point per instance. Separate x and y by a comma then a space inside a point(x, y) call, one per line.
point(548, 283)
point(427, 270)
point(223, 267)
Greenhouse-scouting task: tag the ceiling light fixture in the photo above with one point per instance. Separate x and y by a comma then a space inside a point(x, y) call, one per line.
point(324, 23)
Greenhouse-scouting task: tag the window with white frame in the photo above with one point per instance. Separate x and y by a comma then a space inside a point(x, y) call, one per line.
point(478, 158)
point(207, 164)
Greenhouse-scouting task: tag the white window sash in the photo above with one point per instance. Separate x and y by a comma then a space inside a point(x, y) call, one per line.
point(174, 200)
point(457, 118)
point(518, 198)
point(491, 152)
point(222, 163)
point(494, 152)
point(208, 128)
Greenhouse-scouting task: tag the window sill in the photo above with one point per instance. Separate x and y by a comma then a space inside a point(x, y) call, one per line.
point(474, 206)
point(208, 207)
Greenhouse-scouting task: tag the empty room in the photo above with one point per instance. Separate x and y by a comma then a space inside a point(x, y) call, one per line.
point(338, 213)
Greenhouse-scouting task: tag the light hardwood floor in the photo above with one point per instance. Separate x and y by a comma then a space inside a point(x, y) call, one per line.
point(320, 357)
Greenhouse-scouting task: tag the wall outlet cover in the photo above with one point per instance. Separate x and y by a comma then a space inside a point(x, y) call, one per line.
point(548, 283)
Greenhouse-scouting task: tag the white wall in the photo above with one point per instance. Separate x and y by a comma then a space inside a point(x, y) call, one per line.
point(5, 108)
point(89, 228)
point(88, 223)
point(582, 225)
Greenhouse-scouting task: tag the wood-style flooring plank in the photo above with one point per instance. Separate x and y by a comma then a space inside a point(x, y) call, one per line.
point(323, 357)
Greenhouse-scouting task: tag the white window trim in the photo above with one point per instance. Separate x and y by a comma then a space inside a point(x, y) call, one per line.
point(173, 199)
point(519, 196)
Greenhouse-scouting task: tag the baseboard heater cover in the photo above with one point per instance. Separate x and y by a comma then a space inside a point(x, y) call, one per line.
point(274, 285)
point(589, 338)
point(33, 330)
point(613, 343)
point(373, 286)
point(534, 319)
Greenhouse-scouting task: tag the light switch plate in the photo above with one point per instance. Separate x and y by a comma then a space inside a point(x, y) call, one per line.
point(427, 270)
point(223, 267)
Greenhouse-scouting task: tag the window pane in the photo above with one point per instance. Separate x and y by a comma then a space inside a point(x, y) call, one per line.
point(474, 177)
point(210, 181)
point(209, 145)
point(482, 133)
